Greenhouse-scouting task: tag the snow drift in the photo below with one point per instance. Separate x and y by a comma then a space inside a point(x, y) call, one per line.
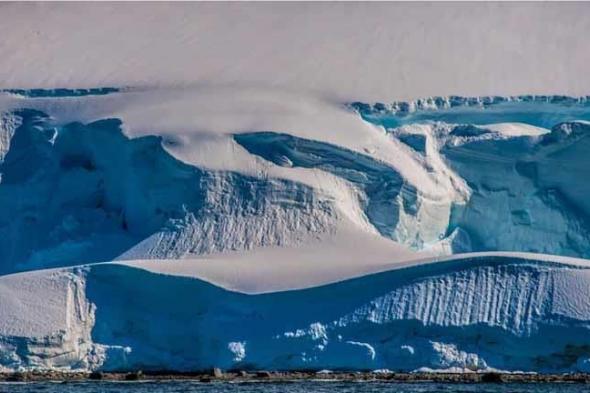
point(359, 214)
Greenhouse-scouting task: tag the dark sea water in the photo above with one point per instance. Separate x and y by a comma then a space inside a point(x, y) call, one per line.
point(284, 387)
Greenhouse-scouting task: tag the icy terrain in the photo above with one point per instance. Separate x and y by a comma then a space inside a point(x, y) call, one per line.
point(213, 184)
point(469, 313)
point(319, 237)
point(103, 188)
point(524, 170)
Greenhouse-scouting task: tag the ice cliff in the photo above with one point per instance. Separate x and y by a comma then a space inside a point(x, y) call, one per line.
point(101, 175)
point(475, 312)
point(87, 193)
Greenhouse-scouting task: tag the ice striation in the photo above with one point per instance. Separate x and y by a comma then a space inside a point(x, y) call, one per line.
point(476, 312)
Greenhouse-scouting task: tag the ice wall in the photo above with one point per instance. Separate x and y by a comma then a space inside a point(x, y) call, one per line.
point(506, 312)
point(68, 189)
point(523, 159)
point(86, 192)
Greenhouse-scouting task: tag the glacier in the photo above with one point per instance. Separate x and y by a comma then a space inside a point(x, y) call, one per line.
point(147, 229)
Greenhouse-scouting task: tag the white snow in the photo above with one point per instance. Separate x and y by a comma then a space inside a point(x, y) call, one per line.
point(328, 259)
point(371, 51)
point(515, 129)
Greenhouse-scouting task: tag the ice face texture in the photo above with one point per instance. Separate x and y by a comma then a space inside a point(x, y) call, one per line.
point(447, 233)
point(475, 313)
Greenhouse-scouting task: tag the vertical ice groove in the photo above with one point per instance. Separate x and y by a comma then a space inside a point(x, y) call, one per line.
point(504, 296)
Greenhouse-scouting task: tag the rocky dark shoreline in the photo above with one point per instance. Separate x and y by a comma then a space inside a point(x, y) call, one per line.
point(217, 375)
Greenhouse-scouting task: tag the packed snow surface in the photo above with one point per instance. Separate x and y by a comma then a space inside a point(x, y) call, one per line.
point(246, 228)
point(349, 50)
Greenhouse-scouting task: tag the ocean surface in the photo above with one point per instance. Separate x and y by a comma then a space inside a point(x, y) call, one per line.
point(284, 387)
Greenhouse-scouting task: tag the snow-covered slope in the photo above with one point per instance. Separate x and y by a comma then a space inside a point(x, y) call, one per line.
point(103, 188)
